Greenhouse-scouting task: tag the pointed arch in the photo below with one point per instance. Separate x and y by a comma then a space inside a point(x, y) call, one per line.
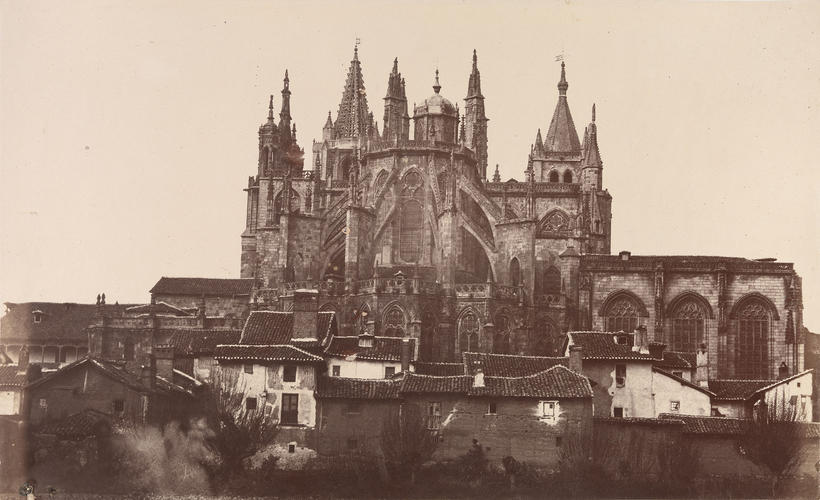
point(567, 176)
point(469, 330)
point(551, 283)
point(553, 176)
point(515, 272)
point(394, 321)
point(752, 296)
point(554, 222)
point(687, 315)
point(690, 295)
point(411, 231)
point(503, 328)
point(295, 202)
point(621, 310)
point(544, 336)
point(753, 315)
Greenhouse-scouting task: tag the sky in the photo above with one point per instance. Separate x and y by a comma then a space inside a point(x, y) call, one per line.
point(128, 129)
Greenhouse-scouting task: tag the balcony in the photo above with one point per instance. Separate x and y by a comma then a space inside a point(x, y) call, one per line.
point(489, 291)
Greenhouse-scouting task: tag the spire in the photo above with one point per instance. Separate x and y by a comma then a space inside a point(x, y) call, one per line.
point(539, 144)
point(351, 120)
point(561, 136)
point(329, 122)
point(593, 112)
point(293, 133)
point(395, 105)
point(462, 135)
point(437, 86)
point(270, 109)
point(474, 84)
point(497, 174)
point(592, 156)
point(284, 114)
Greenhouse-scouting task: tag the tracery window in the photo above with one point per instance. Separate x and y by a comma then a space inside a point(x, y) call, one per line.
point(545, 334)
point(688, 325)
point(552, 280)
point(394, 322)
point(555, 221)
point(621, 315)
point(468, 328)
point(411, 231)
point(515, 272)
point(754, 322)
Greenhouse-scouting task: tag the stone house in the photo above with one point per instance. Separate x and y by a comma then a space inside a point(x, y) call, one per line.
point(12, 381)
point(369, 357)
point(676, 395)
point(736, 398)
point(222, 297)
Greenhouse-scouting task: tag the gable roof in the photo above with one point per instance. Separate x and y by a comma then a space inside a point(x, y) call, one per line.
point(439, 369)
point(429, 384)
point(200, 342)
point(508, 365)
point(556, 382)
point(203, 286)
point(353, 388)
point(694, 424)
point(678, 360)
point(737, 390)
point(9, 376)
point(59, 321)
point(683, 381)
point(383, 349)
point(276, 327)
point(161, 308)
point(602, 346)
point(282, 353)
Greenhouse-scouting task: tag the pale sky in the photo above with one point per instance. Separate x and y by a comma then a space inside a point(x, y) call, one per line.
point(128, 129)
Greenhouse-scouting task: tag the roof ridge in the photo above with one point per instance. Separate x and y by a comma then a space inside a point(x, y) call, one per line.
point(514, 355)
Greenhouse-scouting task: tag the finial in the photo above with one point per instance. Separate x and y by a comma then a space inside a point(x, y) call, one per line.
point(593, 112)
point(270, 108)
point(287, 80)
point(396, 65)
point(356, 50)
point(563, 85)
point(475, 60)
point(294, 131)
point(437, 86)
point(497, 174)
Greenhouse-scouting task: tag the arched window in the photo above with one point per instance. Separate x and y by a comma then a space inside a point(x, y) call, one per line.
point(568, 176)
point(411, 234)
point(621, 314)
point(344, 170)
point(515, 272)
point(468, 328)
point(501, 341)
point(554, 176)
point(544, 338)
point(394, 322)
point(688, 325)
point(552, 280)
point(753, 325)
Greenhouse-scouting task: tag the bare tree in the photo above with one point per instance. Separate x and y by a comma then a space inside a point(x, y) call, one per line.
point(406, 442)
point(774, 439)
point(239, 432)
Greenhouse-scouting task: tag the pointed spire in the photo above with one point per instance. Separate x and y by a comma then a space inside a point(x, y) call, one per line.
point(351, 121)
point(437, 85)
point(395, 83)
point(592, 156)
point(284, 114)
point(497, 174)
point(329, 122)
point(293, 132)
point(474, 84)
point(539, 144)
point(562, 136)
point(462, 134)
point(593, 112)
point(270, 108)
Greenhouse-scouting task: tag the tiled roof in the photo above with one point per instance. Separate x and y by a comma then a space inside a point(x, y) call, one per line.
point(238, 352)
point(556, 382)
point(352, 388)
point(677, 360)
point(161, 308)
point(508, 365)
point(203, 286)
point(198, 342)
point(602, 345)
point(428, 384)
point(673, 420)
point(737, 390)
point(439, 369)
point(694, 424)
point(58, 321)
point(384, 348)
point(88, 422)
point(276, 327)
point(683, 381)
point(9, 377)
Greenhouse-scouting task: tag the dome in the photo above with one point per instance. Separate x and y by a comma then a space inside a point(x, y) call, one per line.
point(436, 104)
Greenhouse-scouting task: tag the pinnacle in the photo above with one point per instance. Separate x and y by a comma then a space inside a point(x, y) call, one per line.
point(437, 86)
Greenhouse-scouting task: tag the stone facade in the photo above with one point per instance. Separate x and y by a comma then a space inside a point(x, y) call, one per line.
point(412, 230)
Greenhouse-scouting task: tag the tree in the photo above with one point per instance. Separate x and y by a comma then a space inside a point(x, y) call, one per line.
point(239, 432)
point(774, 439)
point(406, 442)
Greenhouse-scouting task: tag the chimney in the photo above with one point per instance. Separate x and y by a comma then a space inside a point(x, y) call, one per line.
point(478, 378)
point(702, 367)
point(640, 342)
point(305, 313)
point(366, 339)
point(624, 255)
point(405, 354)
point(22, 360)
point(783, 371)
point(656, 349)
point(164, 358)
point(148, 374)
point(201, 312)
point(576, 358)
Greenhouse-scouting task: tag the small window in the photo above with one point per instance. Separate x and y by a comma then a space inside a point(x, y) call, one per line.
point(716, 412)
point(38, 317)
point(492, 408)
point(292, 448)
point(618, 412)
point(678, 374)
point(43, 403)
point(620, 375)
point(434, 415)
point(554, 176)
point(798, 385)
point(289, 373)
point(352, 444)
point(119, 405)
point(558, 441)
point(621, 340)
point(389, 371)
point(290, 409)
point(250, 403)
point(674, 406)
point(336, 370)
point(568, 176)
point(548, 409)
point(249, 369)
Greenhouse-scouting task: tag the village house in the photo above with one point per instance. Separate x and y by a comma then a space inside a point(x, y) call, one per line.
point(736, 398)
point(369, 357)
point(221, 297)
point(12, 381)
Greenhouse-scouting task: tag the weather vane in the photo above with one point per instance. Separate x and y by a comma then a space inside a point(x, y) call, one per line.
point(560, 57)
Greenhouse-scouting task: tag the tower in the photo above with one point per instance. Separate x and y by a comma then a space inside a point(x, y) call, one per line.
point(354, 116)
point(396, 119)
point(475, 126)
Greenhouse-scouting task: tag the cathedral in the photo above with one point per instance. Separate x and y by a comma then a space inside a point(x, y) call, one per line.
point(403, 234)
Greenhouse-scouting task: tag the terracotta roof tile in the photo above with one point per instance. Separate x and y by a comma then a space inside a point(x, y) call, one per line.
point(508, 365)
point(238, 352)
point(675, 360)
point(9, 377)
point(276, 327)
point(203, 286)
point(88, 422)
point(602, 345)
point(198, 342)
point(428, 384)
point(556, 382)
point(383, 349)
point(439, 369)
point(671, 421)
point(737, 390)
point(728, 426)
point(58, 321)
point(351, 388)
